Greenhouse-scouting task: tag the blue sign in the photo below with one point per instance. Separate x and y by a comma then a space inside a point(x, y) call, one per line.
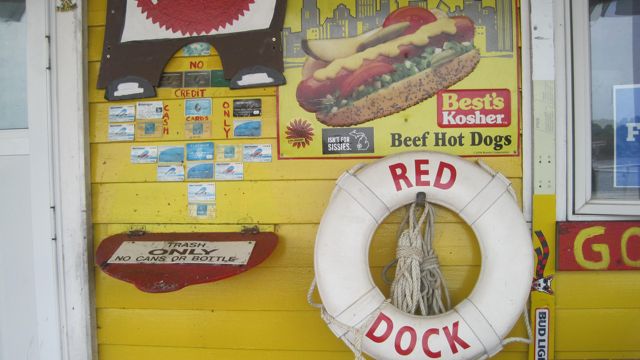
point(626, 115)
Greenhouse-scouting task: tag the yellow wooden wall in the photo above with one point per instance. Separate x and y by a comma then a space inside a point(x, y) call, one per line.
point(263, 313)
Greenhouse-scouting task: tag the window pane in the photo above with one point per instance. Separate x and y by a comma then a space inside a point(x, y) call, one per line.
point(13, 73)
point(615, 68)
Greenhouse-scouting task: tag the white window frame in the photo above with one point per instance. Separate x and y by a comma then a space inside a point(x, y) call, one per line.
point(579, 204)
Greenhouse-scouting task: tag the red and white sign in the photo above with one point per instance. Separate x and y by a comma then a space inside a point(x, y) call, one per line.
point(170, 19)
point(163, 262)
point(474, 108)
point(183, 252)
point(599, 245)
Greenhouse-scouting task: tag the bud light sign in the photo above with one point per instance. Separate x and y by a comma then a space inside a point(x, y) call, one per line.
point(626, 114)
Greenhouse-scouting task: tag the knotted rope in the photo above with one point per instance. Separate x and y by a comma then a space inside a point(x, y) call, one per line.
point(418, 284)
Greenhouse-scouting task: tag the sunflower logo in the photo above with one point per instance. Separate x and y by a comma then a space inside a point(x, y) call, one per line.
point(299, 133)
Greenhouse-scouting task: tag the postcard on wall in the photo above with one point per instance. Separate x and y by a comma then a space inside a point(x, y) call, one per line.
point(146, 110)
point(144, 154)
point(197, 107)
point(247, 128)
point(170, 172)
point(121, 132)
point(197, 49)
point(170, 154)
point(197, 129)
point(247, 107)
point(229, 171)
point(199, 151)
point(149, 129)
point(201, 192)
point(202, 200)
point(171, 80)
point(228, 152)
point(202, 211)
point(122, 113)
point(200, 171)
point(257, 153)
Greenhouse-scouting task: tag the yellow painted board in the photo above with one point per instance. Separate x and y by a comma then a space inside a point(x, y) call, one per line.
point(95, 35)
point(598, 330)
point(97, 95)
point(454, 242)
point(544, 222)
point(274, 202)
point(96, 12)
point(581, 355)
point(118, 352)
point(110, 163)
point(123, 352)
point(99, 121)
point(246, 330)
point(598, 289)
point(261, 288)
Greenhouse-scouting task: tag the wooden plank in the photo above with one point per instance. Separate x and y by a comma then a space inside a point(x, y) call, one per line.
point(597, 289)
point(246, 330)
point(274, 202)
point(123, 352)
point(261, 288)
point(598, 330)
point(455, 243)
point(119, 352)
point(99, 124)
point(95, 36)
point(110, 161)
point(96, 12)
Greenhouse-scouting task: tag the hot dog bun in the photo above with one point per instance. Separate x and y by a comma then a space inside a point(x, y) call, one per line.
point(404, 93)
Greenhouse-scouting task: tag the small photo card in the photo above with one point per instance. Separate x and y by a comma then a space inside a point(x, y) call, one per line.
point(197, 129)
point(199, 151)
point(202, 211)
point(123, 113)
point(247, 107)
point(171, 172)
point(170, 154)
point(200, 171)
point(257, 153)
point(228, 152)
point(197, 79)
point(149, 128)
point(229, 171)
point(144, 154)
point(247, 128)
point(148, 110)
point(171, 80)
point(197, 107)
point(121, 132)
point(197, 49)
point(201, 192)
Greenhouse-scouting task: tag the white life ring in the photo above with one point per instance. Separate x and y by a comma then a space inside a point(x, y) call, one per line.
point(363, 198)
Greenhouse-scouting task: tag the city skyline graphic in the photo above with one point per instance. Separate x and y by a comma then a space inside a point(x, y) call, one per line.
point(493, 20)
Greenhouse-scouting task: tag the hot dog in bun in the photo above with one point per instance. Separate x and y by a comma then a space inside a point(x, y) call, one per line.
point(415, 54)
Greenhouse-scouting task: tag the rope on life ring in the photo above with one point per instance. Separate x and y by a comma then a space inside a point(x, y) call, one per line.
point(355, 309)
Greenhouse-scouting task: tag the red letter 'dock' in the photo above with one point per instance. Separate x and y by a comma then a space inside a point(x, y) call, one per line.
point(380, 338)
point(452, 176)
point(399, 173)
point(453, 338)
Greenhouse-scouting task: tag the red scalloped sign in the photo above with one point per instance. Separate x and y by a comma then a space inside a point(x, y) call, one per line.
point(194, 17)
point(164, 262)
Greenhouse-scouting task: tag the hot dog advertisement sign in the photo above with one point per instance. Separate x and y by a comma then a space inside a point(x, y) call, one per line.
point(369, 78)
